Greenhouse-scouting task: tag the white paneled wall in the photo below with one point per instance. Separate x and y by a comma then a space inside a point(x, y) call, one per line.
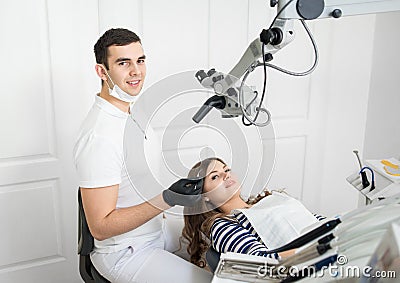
point(47, 231)
point(289, 167)
point(29, 191)
point(47, 49)
point(36, 122)
point(382, 137)
point(348, 92)
point(121, 13)
point(175, 36)
point(49, 85)
point(228, 33)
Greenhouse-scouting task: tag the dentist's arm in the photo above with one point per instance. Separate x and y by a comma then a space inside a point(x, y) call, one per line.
point(106, 221)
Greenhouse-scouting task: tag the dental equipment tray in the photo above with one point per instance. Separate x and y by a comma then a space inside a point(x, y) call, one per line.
point(386, 186)
point(246, 268)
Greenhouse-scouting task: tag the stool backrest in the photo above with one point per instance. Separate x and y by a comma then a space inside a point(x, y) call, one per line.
point(85, 238)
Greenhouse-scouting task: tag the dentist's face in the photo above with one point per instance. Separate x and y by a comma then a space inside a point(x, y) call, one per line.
point(219, 184)
point(127, 67)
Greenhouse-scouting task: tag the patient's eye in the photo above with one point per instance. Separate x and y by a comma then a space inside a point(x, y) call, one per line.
point(214, 177)
point(227, 170)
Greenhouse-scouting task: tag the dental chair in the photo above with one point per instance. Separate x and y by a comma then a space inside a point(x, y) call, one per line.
point(85, 245)
point(212, 258)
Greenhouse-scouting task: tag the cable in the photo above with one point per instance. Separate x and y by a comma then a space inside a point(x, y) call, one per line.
point(265, 64)
point(259, 108)
point(316, 57)
point(372, 176)
point(245, 123)
point(372, 172)
point(248, 105)
point(312, 41)
point(265, 83)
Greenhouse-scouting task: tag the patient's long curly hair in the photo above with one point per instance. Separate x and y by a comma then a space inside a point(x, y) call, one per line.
point(198, 225)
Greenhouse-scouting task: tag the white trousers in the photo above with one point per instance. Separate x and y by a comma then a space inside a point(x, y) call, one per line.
point(152, 263)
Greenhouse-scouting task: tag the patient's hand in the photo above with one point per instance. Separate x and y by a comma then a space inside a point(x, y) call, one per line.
point(288, 253)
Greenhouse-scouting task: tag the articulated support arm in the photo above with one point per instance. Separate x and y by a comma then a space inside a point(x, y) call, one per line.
point(241, 100)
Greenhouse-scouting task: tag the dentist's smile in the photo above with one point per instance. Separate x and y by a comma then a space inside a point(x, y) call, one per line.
point(134, 83)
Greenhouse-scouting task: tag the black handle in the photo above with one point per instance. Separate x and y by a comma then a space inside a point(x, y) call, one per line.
point(308, 237)
point(216, 101)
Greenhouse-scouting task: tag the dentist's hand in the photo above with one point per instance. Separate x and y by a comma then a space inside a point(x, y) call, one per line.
point(185, 192)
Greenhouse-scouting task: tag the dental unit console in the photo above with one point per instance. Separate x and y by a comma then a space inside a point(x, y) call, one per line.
point(232, 97)
point(354, 236)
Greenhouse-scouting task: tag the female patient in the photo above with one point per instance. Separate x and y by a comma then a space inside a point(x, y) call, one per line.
point(215, 220)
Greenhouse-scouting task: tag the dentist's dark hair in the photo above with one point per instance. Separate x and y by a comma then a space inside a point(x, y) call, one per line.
point(114, 36)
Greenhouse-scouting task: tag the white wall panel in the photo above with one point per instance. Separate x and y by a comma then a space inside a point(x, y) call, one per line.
point(27, 169)
point(346, 114)
point(382, 137)
point(289, 165)
point(187, 157)
point(35, 222)
point(120, 14)
point(228, 27)
point(175, 36)
point(48, 86)
point(27, 117)
point(198, 137)
point(73, 29)
point(176, 108)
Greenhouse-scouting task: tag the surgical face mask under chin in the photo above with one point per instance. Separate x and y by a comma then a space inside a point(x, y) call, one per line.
point(121, 95)
point(118, 93)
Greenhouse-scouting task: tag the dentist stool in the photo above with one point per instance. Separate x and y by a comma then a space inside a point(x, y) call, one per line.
point(85, 246)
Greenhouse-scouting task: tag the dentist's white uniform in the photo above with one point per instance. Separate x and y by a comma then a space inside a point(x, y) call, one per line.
point(138, 255)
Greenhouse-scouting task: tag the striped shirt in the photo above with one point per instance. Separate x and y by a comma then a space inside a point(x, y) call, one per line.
point(238, 235)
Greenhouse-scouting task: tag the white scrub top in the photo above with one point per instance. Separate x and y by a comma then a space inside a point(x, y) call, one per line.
point(99, 156)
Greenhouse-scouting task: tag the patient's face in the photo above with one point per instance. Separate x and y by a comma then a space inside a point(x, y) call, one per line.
point(220, 184)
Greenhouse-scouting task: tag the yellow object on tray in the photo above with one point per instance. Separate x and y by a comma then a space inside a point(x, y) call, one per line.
point(390, 168)
point(389, 164)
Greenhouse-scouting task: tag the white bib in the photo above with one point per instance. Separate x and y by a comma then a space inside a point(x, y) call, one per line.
point(278, 219)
